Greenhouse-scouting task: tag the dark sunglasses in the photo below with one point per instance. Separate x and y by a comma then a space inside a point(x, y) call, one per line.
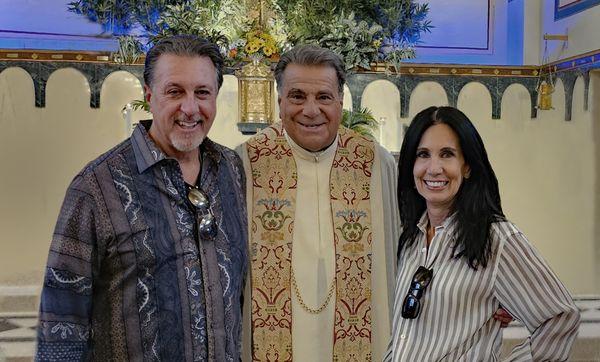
point(207, 227)
point(412, 304)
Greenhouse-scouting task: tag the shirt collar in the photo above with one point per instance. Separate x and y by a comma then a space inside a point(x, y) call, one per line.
point(309, 155)
point(147, 153)
point(448, 224)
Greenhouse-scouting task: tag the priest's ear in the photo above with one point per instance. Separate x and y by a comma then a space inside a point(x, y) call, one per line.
point(147, 93)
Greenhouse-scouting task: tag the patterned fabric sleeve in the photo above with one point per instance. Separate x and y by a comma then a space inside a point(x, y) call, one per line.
point(66, 300)
point(529, 290)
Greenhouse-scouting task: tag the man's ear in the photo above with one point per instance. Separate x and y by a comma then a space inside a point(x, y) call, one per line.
point(279, 103)
point(147, 93)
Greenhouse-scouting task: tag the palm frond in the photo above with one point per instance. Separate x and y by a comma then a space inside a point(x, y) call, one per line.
point(360, 121)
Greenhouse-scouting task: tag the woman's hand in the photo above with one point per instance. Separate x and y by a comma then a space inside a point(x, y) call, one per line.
point(503, 316)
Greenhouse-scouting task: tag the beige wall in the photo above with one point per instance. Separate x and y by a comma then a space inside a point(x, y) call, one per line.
point(548, 169)
point(539, 20)
point(580, 28)
point(532, 32)
point(595, 196)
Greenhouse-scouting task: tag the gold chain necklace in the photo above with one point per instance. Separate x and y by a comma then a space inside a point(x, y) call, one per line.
point(295, 284)
point(301, 301)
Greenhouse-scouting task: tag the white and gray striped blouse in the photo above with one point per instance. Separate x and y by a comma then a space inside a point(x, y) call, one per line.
point(456, 321)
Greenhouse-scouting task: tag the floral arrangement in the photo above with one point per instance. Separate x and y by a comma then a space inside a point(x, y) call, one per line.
point(256, 43)
point(262, 37)
point(361, 31)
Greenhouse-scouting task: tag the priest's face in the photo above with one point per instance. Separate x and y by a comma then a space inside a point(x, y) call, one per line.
point(310, 105)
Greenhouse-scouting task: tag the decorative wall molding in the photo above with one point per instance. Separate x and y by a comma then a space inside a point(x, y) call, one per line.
point(452, 85)
point(567, 70)
point(565, 8)
point(97, 66)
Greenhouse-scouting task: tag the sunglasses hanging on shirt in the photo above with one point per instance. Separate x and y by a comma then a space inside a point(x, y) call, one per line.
point(207, 226)
point(412, 302)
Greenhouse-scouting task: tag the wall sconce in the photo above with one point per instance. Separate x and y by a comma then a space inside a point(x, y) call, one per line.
point(255, 96)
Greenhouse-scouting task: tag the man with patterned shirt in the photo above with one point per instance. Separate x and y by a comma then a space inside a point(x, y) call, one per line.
point(323, 221)
point(148, 257)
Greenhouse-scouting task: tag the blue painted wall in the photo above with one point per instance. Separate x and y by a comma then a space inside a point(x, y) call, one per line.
point(46, 24)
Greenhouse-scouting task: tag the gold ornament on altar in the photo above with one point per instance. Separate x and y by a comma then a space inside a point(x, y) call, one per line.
point(256, 96)
point(256, 91)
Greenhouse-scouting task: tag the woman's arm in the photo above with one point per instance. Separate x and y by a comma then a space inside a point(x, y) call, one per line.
point(526, 287)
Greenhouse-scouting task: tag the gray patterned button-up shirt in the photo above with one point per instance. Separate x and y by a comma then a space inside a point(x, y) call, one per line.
point(128, 275)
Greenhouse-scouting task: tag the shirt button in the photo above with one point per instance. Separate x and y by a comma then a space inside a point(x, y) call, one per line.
point(424, 250)
point(403, 336)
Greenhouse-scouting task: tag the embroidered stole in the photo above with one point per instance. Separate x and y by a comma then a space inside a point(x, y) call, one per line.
point(274, 182)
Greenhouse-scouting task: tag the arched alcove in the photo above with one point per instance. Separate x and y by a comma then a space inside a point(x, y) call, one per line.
point(17, 93)
point(424, 95)
point(516, 103)
point(67, 90)
point(118, 89)
point(475, 101)
point(383, 99)
point(347, 97)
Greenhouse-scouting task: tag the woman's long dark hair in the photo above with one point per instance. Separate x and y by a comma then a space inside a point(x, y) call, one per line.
point(477, 203)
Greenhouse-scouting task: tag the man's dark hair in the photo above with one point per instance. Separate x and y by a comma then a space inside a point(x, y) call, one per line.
point(183, 45)
point(477, 202)
point(311, 55)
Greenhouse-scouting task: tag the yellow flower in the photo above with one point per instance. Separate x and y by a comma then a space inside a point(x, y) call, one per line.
point(252, 47)
point(268, 50)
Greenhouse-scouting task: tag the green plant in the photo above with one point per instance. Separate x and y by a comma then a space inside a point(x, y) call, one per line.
point(130, 50)
point(375, 30)
point(120, 16)
point(355, 41)
point(140, 104)
point(360, 121)
point(198, 17)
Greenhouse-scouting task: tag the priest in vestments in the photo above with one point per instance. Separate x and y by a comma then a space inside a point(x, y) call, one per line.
point(323, 224)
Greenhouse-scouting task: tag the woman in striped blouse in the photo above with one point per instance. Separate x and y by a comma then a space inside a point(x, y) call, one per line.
point(460, 258)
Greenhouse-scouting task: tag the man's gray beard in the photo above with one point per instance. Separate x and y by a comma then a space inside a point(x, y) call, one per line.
point(186, 144)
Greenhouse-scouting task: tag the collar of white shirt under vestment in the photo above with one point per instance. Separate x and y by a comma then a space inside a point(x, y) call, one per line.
point(309, 155)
